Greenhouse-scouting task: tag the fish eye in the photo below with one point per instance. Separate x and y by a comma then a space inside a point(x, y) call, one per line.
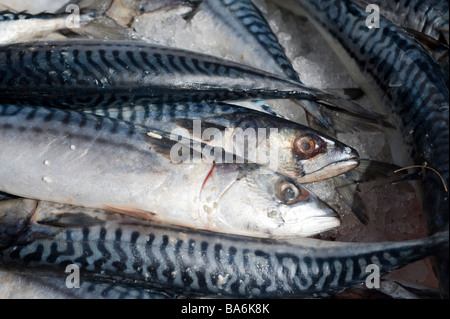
point(290, 193)
point(307, 146)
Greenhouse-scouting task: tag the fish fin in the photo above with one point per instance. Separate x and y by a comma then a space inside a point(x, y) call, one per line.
point(164, 143)
point(262, 106)
point(336, 103)
point(343, 122)
point(416, 176)
point(131, 211)
point(184, 8)
point(343, 104)
point(349, 191)
point(429, 43)
point(317, 115)
point(349, 93)
point(439, 49)
point(97, 7)
point(106, 28)
point(101, 26)
point(258, 105)
point(71, 219)
point(422, 292)
point(6, 196)
point(347, 185)
point(370, 170)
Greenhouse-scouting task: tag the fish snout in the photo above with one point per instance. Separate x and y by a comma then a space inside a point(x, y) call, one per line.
point(345, 152)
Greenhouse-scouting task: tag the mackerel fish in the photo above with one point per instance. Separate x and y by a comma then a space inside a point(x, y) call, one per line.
point(94, 161)
point(17, 27)
point(300, 153)
point(111, 247)
point(86, 18)
point(87, 73)
point(397, 73)
point(430, 17)
point(25, 285)
point(427, 21)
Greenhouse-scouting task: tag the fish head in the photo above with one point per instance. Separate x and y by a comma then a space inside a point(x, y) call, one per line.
point(263, 203)
point(312, 156)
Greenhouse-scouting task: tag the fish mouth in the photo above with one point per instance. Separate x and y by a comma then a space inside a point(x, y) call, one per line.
point(330, 170)
point(320, 224)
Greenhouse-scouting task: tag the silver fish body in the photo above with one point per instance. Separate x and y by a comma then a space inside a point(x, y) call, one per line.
point(94, 161)
point(301, 153)
point(397, 73)
point(194, 263)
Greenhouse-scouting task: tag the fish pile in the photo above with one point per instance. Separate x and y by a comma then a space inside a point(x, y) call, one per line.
point(160, 171)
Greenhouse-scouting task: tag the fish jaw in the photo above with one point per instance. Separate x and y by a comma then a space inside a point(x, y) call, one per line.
point(331, 170)
point(311, 218)
point(337, 159)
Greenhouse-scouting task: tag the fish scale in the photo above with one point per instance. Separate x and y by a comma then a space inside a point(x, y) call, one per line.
point(190, 263)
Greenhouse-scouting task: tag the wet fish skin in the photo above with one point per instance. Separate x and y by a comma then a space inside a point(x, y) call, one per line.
point(429, 17)
point(198, 263)
point(331, 159)
point(84, 73)
point(243, 20)
point(396, 72)
point(94, 161)
point(427, 21)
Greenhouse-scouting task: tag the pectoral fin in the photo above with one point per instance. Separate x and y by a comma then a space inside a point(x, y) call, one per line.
point(131, 211)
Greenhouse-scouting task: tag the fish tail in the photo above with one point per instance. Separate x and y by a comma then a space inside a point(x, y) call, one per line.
point(440, 261)
point(98, 7)
point(439, 243)
point(339, 121)
point(317, 115)
point(14, 217)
